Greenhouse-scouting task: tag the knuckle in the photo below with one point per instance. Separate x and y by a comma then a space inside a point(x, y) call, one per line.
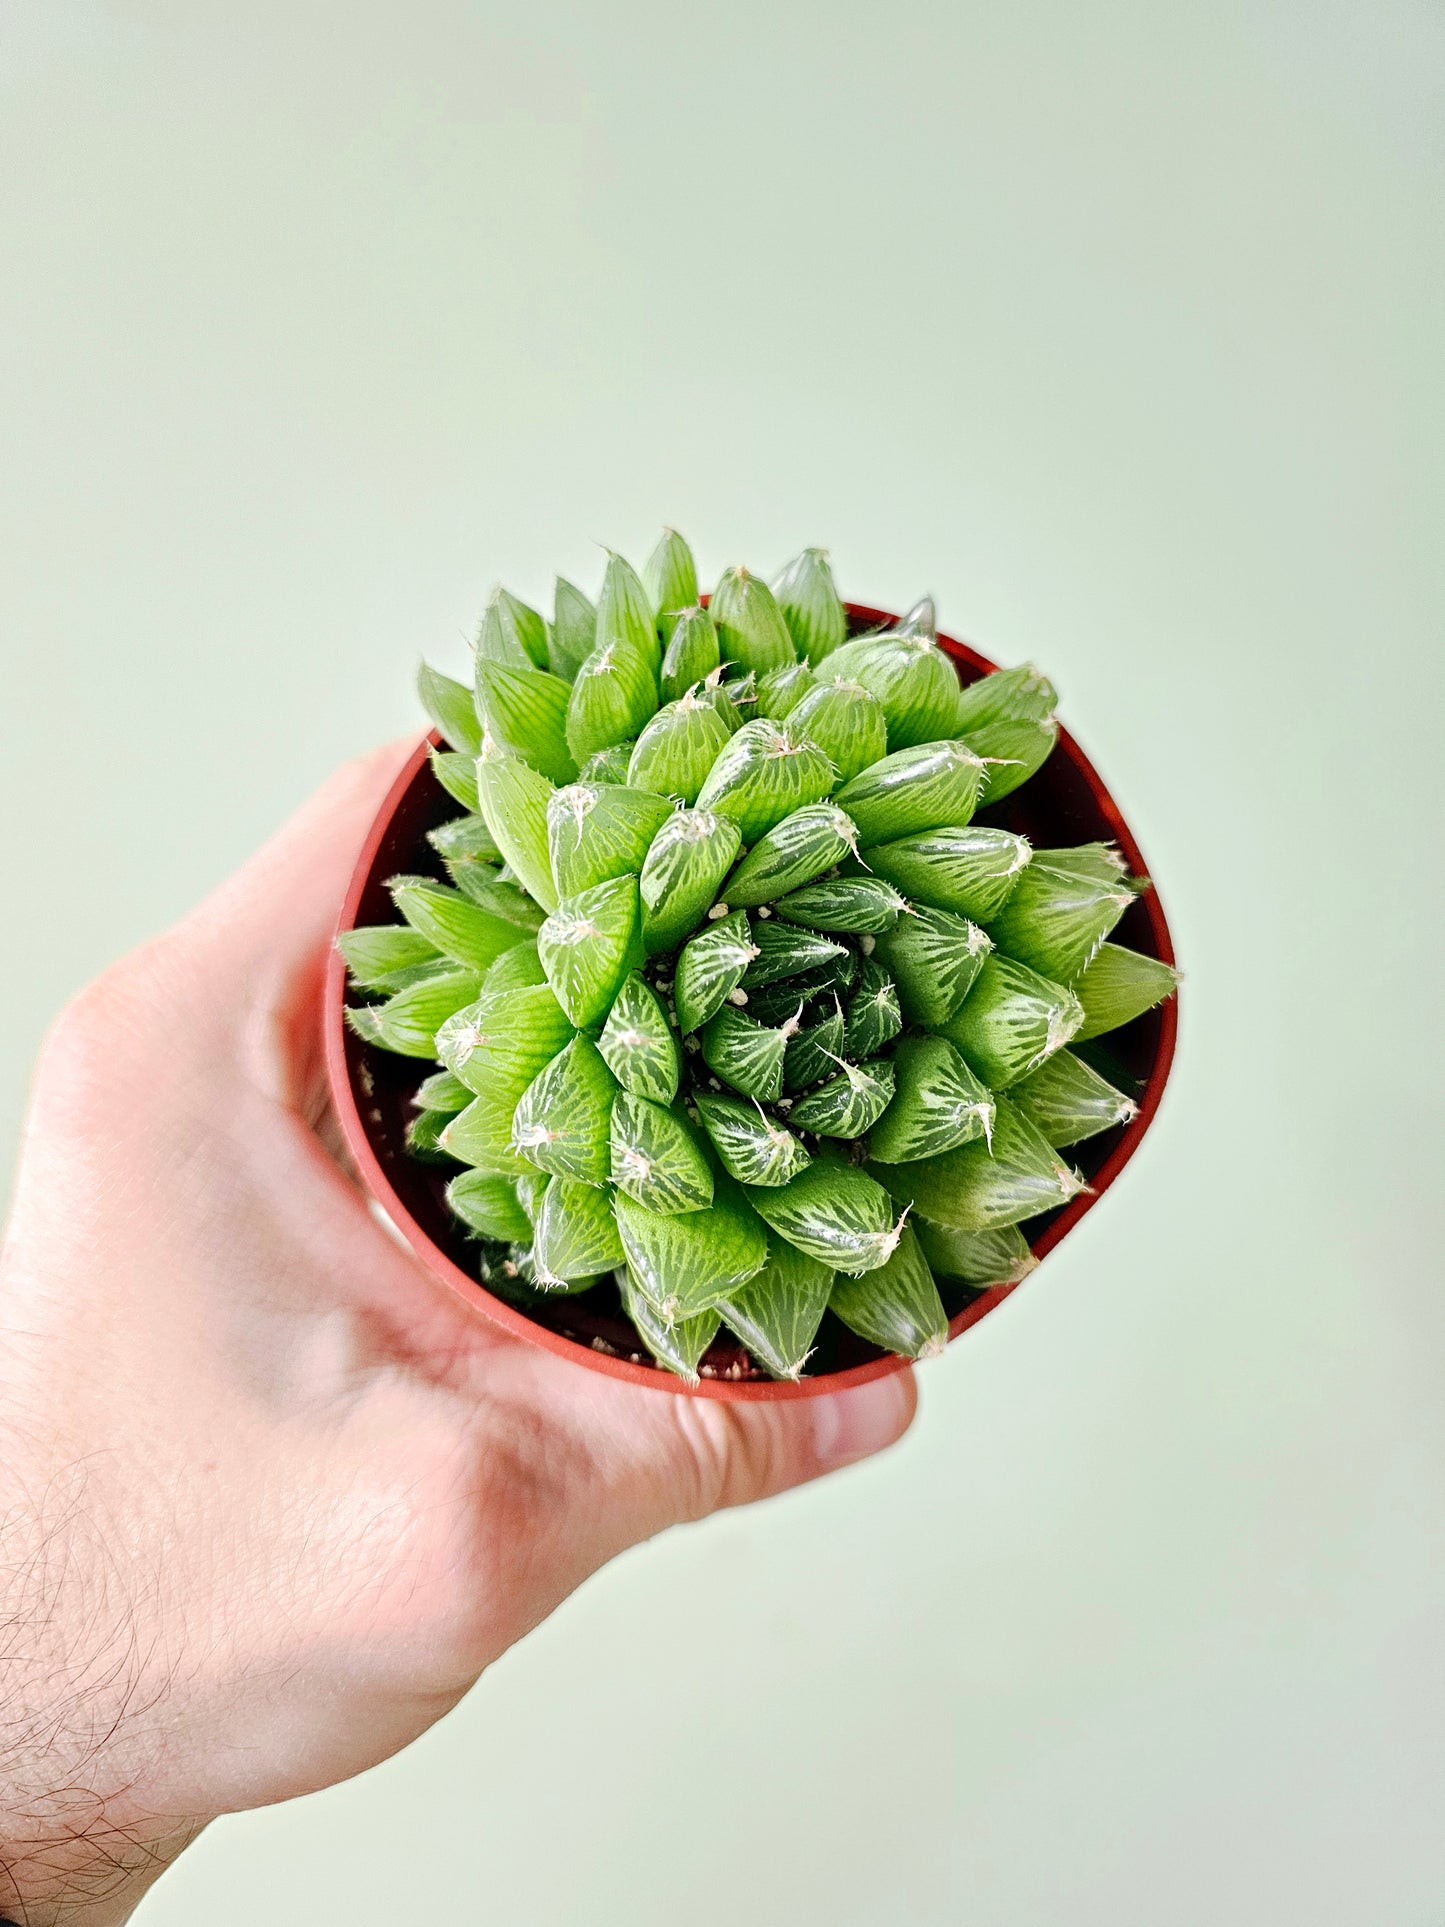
point(736, 1454)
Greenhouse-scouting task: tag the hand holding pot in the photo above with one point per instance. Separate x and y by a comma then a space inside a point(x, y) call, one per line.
point(271, 1498)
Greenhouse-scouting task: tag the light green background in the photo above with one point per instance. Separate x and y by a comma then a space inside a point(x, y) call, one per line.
point(1118, 327)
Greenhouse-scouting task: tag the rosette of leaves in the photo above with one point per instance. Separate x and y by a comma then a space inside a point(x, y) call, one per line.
point(733, 1001)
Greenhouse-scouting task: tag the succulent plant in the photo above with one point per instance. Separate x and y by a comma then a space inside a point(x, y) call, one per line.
point(735, 1005)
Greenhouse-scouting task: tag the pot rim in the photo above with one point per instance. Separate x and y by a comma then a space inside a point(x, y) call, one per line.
point(373, 1173)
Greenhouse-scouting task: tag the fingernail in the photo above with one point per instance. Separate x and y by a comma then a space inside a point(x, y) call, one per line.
point(850, 1425)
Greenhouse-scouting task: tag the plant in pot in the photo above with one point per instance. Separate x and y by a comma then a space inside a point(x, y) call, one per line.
point(736, 985)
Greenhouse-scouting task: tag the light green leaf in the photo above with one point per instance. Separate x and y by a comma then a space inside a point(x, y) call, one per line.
point(451, 708)
point(597, 831)
point(1120, 985)
point(452, 924)
point(897, 1306)
point(489, 1206)
point(671, 576)
point(765, 773)
point(457, 775)
point(832, 1211)
point(939, 1103)
point(679, 1346)
point(589, 944)
point(754, 1148)
point(513, 798)
point(849, 904)
point(977, 1187)
point(847, 1105)
point(1068, 1101)
point(1000, 1257)
point(677, 749)
point(574, 630)
point(745, 1054)
point(576, 1233)
point(512, 633)
point(688, 859)
point(503, 1039)
point(694, 1260)
point(409, 1021)
point(376, 952)
point(614, 695)
point(656, 1159)
point(923, 788)
point(751, 629)
point(525, 713)
point(777, 1312)
point(803, 846)
point(846, 723)
point(710, 967)
point(639, 1045)
point(810, 604)
point(563, 1121)
point(1011, 1020)
point(1058, 915)
point(971, 871)
point(933, 956)
point(691, 657)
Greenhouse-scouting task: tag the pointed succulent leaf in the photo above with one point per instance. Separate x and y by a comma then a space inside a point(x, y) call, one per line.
point(1013, 753)
point(897, 1306)
point(481, 1136)
point(779, 1002)
point(922, 788)
point(576, 1233)
point(1056, 918)
point(512, 633)
point(452, 708)
point(638, 1043)
point(626, 612)
point(678, 1347)
point(671, 576)
point(563, 1121)
point(525, 713)
point(979, 1186)
point(691, 655)
point(589, 944)
point(939, 1103)
point(777, 1312)
point(502, 1039)
point(457, 775)
point(597, 831)
point(532, 1187)
point(678, 747)
point(848, 1104)
point(920, 620)
point(788, 950)
point(613, 697)
point(1022, 695)
point(514, 798)
point(517, 968)
point(754, 1148)
point(465, 836)
point(732, 701)
point(852, 904)
point(656, 1158)
point(813, 1053)
point(1011, 1020)
point(1067, 1100)
point(442, 1092)
point(833, 1212)
point(808, 599)
point(408, 1022)
point(574, 630)
point(488, 1206)
point(692, 1261)
point(481, 885)
point(1000, 1257)
point(846, 723)
point(451, 923)
point(781, 690)
point(423, 1138)
point(933, 956)
point(751, 629)
point(765, 773)
point(710, 967)
point(744, 1054)
point(607, 765)
point(1120, 985)
point(874, 1016)
point(377, 952)
point(802, 846)
point(687, 860)
point(914, 682)
point(972, 871)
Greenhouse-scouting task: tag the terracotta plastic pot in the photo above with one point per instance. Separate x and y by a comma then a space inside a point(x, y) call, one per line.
point(371, 1089)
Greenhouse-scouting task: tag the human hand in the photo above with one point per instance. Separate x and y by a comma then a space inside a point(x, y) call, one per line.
point(271, 1498)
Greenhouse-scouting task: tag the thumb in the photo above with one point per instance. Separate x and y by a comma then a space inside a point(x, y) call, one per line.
point(649, 1461)
point(732, 1454)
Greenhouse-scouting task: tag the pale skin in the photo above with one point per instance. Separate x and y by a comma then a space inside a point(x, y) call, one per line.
point(271, 1498)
